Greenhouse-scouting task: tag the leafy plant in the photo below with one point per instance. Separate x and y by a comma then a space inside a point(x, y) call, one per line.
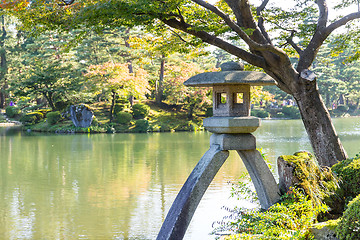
point(289, 219)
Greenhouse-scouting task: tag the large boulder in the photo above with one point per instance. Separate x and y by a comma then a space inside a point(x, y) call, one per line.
point(81, 115)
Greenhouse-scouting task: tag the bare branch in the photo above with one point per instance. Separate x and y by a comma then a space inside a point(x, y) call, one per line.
point(342, 22)
point(261, 20)
point(261, 7)
point(292, 43)
point(178, 35)
point(66, 2)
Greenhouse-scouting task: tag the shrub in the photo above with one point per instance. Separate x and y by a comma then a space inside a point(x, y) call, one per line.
point(123, 118)
point(349, 173)
point(289, 219)
point(32, 118)
point(261, 113)
point(53, 117)
point(291, 112)
point(349, 226)
point(342, 108)
point(118, 108)
point(12, 111)
point(141, 125)
point(140, 110)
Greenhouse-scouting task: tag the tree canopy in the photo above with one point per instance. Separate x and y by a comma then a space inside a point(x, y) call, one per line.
point(283, 41)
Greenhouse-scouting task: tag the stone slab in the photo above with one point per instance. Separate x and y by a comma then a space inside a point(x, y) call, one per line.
point(231, 124)
point(242, 141)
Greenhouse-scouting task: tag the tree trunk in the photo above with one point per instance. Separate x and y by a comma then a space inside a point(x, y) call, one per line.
point(113, 95)
point(316, 118)
point(49, 98)
point(159, 92)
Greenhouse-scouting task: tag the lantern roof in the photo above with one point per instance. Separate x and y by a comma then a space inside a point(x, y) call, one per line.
point(209, 79)
point(231, 74)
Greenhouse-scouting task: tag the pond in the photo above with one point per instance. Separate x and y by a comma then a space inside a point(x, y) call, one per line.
point(120, 186)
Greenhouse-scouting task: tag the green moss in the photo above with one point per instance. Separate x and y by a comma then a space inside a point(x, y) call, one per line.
point(319, 183)
point(349, 173)
point(331, 224)
point(349, 225)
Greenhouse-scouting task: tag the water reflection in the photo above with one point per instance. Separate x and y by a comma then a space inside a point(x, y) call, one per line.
point(121, 186)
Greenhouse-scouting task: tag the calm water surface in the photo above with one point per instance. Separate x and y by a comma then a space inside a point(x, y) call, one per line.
point(120, 186)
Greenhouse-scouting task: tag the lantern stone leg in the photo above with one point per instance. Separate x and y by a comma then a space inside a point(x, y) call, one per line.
point(187, 200)
point(264, 182)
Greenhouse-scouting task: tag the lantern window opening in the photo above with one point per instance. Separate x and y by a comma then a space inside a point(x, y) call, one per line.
point(238, 98)
point(221, 98)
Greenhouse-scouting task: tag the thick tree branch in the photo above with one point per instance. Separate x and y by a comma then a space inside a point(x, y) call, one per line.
point(323, 14)
point(252, 44)
point(342, 21)
point(308, 55)
point(213, 40)
point(230, 23)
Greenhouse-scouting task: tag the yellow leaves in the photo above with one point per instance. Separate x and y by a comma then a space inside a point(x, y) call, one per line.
point(116, 76)
point(15, 5)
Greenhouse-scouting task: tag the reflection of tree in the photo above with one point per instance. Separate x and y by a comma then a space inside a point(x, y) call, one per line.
point(95, 186)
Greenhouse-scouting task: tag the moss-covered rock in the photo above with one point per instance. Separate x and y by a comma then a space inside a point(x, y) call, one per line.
point(349, 225)
point(302, 170)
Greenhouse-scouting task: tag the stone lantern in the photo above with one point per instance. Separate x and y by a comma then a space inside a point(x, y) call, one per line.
point(231, 126)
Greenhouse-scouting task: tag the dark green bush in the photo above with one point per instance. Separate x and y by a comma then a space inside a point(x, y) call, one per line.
point(140, 110)
point(291, 112)
point(342, 108)
point(12, 111)
point(141, 125)
point(349, 173)
point(123, 118)
point(53, 117)
point(349, 226)
point(118, 108)
point(31, 118)
point(260, 113)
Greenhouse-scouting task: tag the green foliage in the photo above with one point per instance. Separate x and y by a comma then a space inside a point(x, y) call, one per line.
point(349, 173)
point(141, 125)
point(140, 110)
point(53, 117)
point(123, 118)
point(349, 226)
point(260, 113)
point(12, 111)
point(291, 112)
point(31, 118)
point(289, 219)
